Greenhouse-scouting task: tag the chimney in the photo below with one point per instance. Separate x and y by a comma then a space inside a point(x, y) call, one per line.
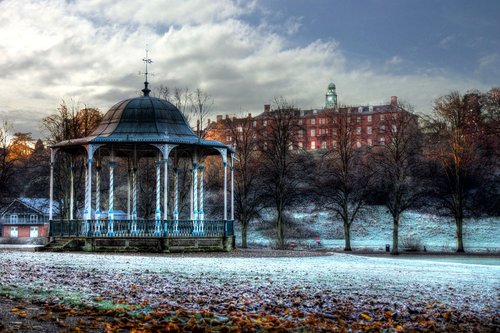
point(249, 115)
point(394, 100)
point(208, 122)
point(267, 107)
point(227, 116)
point(219, 117)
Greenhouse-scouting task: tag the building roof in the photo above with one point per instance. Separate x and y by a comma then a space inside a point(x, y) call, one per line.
point(41, 205)
point(143, 119)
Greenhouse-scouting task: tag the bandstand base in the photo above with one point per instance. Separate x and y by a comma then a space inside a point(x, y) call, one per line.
point(142, 244)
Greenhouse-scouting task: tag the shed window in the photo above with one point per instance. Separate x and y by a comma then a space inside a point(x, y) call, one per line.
point(33, 218)
point(13, 218)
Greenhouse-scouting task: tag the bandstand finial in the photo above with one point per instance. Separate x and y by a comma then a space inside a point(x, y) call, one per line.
point(147, 61)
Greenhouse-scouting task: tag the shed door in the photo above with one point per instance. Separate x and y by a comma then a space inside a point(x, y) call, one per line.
point(33, 231)
point(13, 231)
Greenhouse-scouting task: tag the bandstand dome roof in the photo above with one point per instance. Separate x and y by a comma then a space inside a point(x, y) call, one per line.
point(143, 119)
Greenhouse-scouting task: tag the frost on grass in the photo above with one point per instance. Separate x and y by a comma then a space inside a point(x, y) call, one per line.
point(361, 287)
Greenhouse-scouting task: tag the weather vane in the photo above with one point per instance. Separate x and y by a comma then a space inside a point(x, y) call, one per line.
point(146, 61)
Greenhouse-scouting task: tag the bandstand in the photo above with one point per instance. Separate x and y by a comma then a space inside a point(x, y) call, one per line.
point(143, 127)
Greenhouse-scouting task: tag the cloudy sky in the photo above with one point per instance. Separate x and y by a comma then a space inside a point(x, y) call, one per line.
point(243, 53)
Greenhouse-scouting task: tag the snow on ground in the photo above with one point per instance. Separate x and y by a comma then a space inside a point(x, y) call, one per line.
point(311, 284)
point(373, 229)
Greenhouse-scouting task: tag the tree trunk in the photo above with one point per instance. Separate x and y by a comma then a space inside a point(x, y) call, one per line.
point(244, 234)
point(460, 240)
point(347, 236)
point(395, 231)
point(281, 234)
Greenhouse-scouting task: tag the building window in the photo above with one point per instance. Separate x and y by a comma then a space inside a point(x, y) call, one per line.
point(358, 119)
point(301, 145)
point(334, 143)
point(228, 138)
point(301, 133)
point(360, 109)
point(323, 145)
point(313, 132)
point(370, 142)
point(290, 146)
point(382, 117)
point(313, 121)
point(394, 129)
point(370, 118)
point(322, 121)
point(358, 130)
point(255, 123)
point(382, 128)
point(239, 129)
point(33, 218)
point(265, 123)
point(382, 141)
point(14, 218)
point(358, 144)
point(300, 121)
point(369, 130)
point(313, 145)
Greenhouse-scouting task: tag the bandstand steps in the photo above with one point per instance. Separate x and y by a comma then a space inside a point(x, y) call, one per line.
point(63, 244)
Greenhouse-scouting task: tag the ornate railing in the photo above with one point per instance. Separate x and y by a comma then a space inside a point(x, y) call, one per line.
point(142, 228)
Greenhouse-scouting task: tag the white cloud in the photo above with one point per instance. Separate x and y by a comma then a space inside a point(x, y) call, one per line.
point(91, 52)
point(395, 60)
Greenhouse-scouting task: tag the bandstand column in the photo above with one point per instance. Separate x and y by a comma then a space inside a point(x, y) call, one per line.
point(202, 197)
point(98, 198)
point(51, 183)
point(71, 190)
point(225, 189)
point(111, 213)
point(129, 192)
point(195, 195)
point(134, 200)
point(176, 200)
point(223, 153)
point(158, 197)
point(232, 186)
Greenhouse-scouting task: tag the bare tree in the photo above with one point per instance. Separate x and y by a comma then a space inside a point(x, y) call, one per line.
point(247, 190)
point(398, 160)
point(281, 167)
point(201, 105)
point(6, 163)
point(69, 122)
point(456, 131)
point(345, 175)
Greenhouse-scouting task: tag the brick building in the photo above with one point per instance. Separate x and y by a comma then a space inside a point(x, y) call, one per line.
point(318, 129)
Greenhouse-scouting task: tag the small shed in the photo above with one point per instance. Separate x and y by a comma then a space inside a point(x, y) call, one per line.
point(26, 217)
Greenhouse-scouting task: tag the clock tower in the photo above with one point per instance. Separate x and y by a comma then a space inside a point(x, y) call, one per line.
point(331, 97)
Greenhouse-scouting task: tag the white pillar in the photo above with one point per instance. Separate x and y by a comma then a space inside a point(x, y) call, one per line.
point(111, 213)
point(71, 190)
point(158, 197)
point(202, 197)
point(232, 186)
point(158, 189)
point(51, 181)
point(176, 194)
point(98, 198)
point(225, 190)
point(129, 192)
point(134, 200)
point(88, 190)
point(165, 187)
point(195, 197)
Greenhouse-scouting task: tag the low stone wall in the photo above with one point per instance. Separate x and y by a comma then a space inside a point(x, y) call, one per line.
point(24, 240)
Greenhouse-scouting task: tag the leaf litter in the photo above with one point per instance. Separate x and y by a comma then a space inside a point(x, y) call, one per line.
point(335, 293)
